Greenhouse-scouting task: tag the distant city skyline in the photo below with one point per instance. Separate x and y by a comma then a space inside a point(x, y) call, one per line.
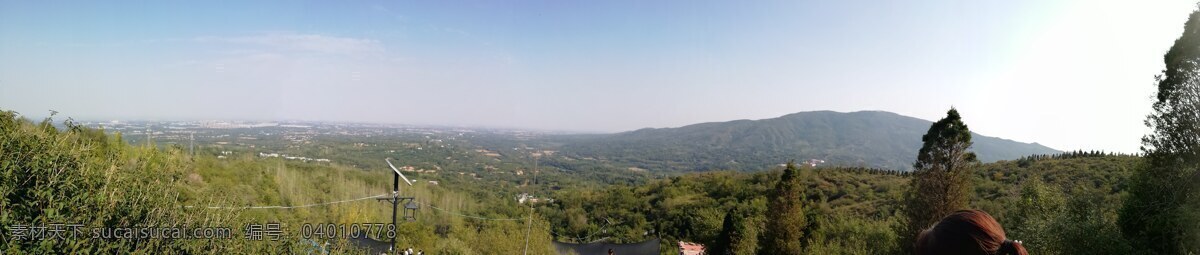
point(1066, 74)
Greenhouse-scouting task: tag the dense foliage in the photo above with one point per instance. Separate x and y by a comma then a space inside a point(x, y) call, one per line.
point(941, 177)
point(1163, 212)
point(787, 214)
point(81, 176)
point(1058, 204)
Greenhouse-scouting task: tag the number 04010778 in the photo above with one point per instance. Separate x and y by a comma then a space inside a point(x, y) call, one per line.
point(353, 230)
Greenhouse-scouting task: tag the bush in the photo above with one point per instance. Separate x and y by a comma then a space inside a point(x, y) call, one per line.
point(80, 176)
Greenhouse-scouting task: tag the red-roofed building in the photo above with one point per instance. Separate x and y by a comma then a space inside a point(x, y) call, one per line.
point(686, 248)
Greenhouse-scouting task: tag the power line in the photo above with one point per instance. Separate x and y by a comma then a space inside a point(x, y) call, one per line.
point(588, 237)
point(452, 213)
point(530, 227)
point(464, 215)
point(290, 207)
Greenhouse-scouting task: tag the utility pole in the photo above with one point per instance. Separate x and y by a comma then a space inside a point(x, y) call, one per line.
point(192, 143)
point(530, 223)
point(395, 202)
point(396, 199)
point(529, 229)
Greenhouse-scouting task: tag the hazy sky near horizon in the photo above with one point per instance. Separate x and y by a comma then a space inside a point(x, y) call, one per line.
point(1067, 74)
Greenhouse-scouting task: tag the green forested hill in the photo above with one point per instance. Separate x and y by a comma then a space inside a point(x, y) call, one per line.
point(864, 139)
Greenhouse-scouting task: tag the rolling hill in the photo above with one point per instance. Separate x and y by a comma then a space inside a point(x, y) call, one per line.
point(865, 139)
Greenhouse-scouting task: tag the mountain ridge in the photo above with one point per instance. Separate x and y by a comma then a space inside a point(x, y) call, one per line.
point(877, 139)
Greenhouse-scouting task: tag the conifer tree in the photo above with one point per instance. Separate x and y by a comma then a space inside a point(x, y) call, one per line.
point(941, 176)
point(786, 219)
point(728, 235)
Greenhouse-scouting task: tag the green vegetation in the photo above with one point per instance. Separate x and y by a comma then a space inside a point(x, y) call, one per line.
point(1063, 203)
point(1161, 215)
point(739, 233)
point(82, 176)
point(787, 215)
point(854, 210)
point(942, 179)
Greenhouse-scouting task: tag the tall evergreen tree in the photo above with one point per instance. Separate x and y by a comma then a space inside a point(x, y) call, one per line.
point(1162, 213)
point(728, 235)
point(739, 232)
point(786, 219)
point(942, 176)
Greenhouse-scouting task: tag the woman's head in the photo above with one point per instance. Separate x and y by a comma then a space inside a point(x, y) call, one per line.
point(967, 232)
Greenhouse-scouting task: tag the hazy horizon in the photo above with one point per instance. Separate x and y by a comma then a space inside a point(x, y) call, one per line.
point(1065, 74)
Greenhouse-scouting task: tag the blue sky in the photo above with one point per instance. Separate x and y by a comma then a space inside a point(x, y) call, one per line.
point(1068, 74)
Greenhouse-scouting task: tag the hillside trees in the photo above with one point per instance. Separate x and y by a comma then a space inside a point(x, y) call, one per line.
point(941, 180)
point(725, 239)
point(1161, 215)
point(787, 221)
point(1032, 219)
point(739, 232)
point(731, 233)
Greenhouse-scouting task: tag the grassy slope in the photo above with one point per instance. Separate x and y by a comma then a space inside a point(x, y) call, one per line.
point(82, 176)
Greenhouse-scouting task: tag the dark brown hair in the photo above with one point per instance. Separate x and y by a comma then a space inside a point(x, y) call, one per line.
point(967, 232)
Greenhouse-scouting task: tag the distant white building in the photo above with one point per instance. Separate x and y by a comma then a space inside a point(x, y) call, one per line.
point(814, 162)
point(526, 197)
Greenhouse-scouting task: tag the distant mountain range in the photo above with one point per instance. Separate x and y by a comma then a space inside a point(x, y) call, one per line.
point(874, 139)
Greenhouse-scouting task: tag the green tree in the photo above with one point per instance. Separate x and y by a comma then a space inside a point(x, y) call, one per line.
point(729, 232)
point(941, 180)
point(739, 232)
point(1086, 225)
point(1032, 219)
point(786, 218)
point(1160, 216)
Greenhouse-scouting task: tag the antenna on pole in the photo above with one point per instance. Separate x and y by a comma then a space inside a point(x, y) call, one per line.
point(389, 161)
point(396, 199)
